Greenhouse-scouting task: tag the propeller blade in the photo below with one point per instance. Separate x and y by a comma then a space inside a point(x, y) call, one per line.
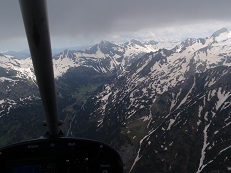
point(34, 13)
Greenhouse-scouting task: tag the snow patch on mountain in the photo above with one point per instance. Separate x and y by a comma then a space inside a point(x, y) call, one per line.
point(222, 97)
point(23, 67)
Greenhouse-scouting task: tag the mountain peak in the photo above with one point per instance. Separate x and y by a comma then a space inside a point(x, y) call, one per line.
point(133, 42)
point(105, 43)
point(152, 42)
point(220, 31)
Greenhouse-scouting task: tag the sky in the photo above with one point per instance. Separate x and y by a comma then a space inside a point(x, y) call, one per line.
point(80, 22)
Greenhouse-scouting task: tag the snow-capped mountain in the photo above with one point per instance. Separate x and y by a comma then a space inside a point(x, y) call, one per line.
point(16, 75)
point(106, 57)
point(103, 57)
point(78, 74)
point(164, 106)
point(156, 72)
point(23, 68)
point(166, 100)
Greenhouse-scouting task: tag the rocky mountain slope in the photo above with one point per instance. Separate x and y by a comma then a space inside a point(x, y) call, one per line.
point(78, 74)
point(163, 101)
point(164, 110)
point(106, 56)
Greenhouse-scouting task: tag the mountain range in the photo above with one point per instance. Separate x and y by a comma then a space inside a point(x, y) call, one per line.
point(164, 106)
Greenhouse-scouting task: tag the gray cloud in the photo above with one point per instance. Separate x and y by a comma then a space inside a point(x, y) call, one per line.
point(89, 18)
point(100, 16)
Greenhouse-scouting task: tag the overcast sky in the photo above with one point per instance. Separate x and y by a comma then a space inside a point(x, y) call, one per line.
point(75, 22)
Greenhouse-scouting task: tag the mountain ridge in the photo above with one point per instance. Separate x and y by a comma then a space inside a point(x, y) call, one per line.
point(166, 110)
point(126, 105)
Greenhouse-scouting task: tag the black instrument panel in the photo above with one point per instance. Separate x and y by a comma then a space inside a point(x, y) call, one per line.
point(60, 155)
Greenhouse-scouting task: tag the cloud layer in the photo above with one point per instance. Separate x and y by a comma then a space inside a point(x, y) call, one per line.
point(96, 18)
point(106, 16)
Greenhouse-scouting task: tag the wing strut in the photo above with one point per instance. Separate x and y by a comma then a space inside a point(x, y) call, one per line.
point(34, 13)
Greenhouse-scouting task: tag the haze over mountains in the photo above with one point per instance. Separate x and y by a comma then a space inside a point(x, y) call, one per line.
point(22, 54)
point(164, 106)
